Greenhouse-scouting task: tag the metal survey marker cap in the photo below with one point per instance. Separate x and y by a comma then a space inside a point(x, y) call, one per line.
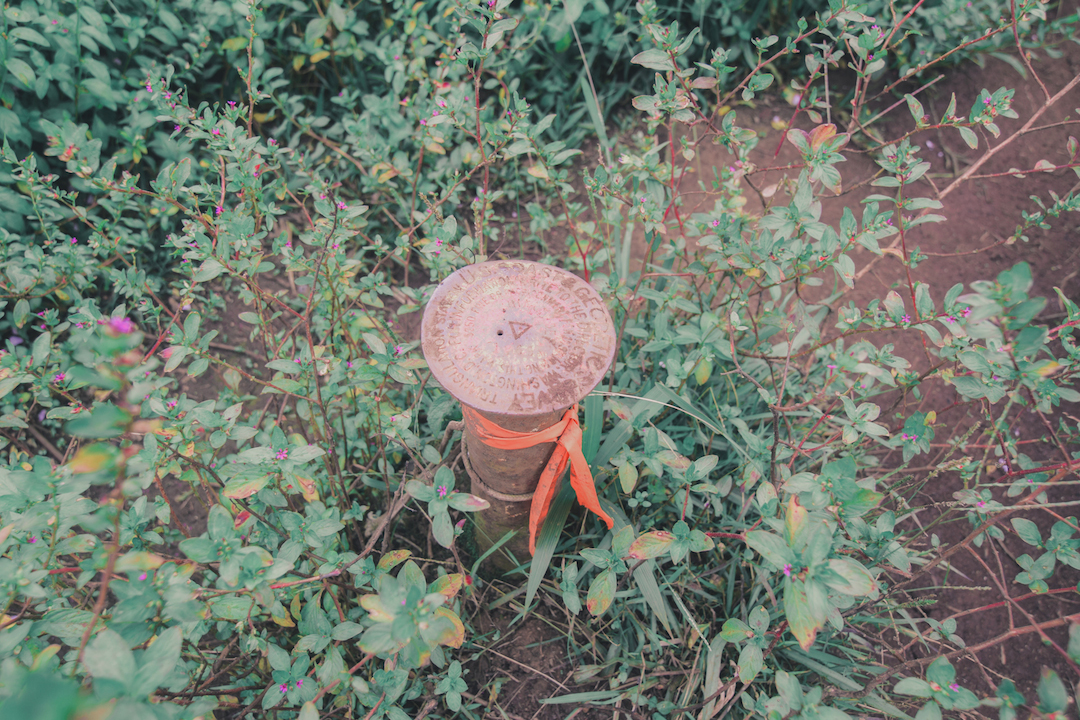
point(516, 337)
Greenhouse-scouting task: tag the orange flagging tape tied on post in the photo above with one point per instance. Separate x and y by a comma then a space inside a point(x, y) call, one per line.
point(567, 433)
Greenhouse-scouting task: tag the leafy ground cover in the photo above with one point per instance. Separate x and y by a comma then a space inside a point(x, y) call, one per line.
point(220, 433)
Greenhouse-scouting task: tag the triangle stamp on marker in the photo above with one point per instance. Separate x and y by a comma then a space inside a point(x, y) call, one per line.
point(519, 329)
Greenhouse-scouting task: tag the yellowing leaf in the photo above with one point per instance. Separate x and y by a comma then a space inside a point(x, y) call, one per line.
point(1048, 368)
point(92, 458)
point(392, 559)
point(628, 477)
point(321, 55)
point(298, 62)
point(752, 272)
point(930, 419)
point(376, 610)
point(455, 637)
point(307, 485)
point(651, 545)
point(435, 148)
point(448, 585)
point(539, 172)
point(138, 560)
point(241, 487)
point(236, 43)
point(703, 371)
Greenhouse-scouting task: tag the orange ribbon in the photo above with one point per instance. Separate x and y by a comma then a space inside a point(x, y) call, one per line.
point(567, 433)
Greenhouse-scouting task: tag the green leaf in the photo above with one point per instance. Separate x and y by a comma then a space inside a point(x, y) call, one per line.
point(1028, 531)
point(941, 672)
point(1053, 697)
point(157, 663)
point(308, 711)
point(30, 35)
point(855, 579)
point(913, 686)
point(346, 630)
point(969, 137)
point(22, 71)
point(929, 711)
point(109, 657)
point(736, 630)
point(654, 59)
point(750, 662)
point(771, 547)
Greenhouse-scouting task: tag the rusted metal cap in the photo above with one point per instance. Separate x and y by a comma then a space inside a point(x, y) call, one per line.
point(517, 337)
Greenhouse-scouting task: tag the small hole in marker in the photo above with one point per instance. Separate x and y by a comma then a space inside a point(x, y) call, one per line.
point(499, 333)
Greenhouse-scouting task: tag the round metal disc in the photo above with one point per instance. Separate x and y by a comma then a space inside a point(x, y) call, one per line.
point(517, 337)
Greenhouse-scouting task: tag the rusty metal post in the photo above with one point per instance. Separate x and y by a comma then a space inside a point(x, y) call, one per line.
point(519, 342)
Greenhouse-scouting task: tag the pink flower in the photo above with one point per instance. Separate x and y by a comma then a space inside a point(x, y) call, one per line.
point(74, 240)
point(59, 378)
point(284, 687)
point(32, 540)
point(715, 223)
point(954, 686)
point(283, 454)
point(123, 325)
point(906, 318)
point(171, 404)
point(143, 576)
point(787, 569)
point(423, 122)
point(218, 210)
point(441, 490)
point(965, 312)
point(981, 504)
point(271, 141)
point(341, 205)
point(215, 131)
point(398, 349)
point(299, 682)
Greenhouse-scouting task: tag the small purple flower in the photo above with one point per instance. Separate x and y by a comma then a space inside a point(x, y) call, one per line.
point(441, 490)
point(232, 103)
point(787, 569)
point(271, 141)
point(906, 318)
point(176, 128)
point(299, 682)
point(348, 363)
point(218, 210)
point(283, 454)
point(341, 205)
point(398, 349)
point(715, 223)
point(981, 504)
point(59, 378)
point(831, 367)
point(143, 576)
point(954, 686)
point(284, 688)
point(171, 404)
point(32, 540)
point(74, 240)
point(965, 312)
